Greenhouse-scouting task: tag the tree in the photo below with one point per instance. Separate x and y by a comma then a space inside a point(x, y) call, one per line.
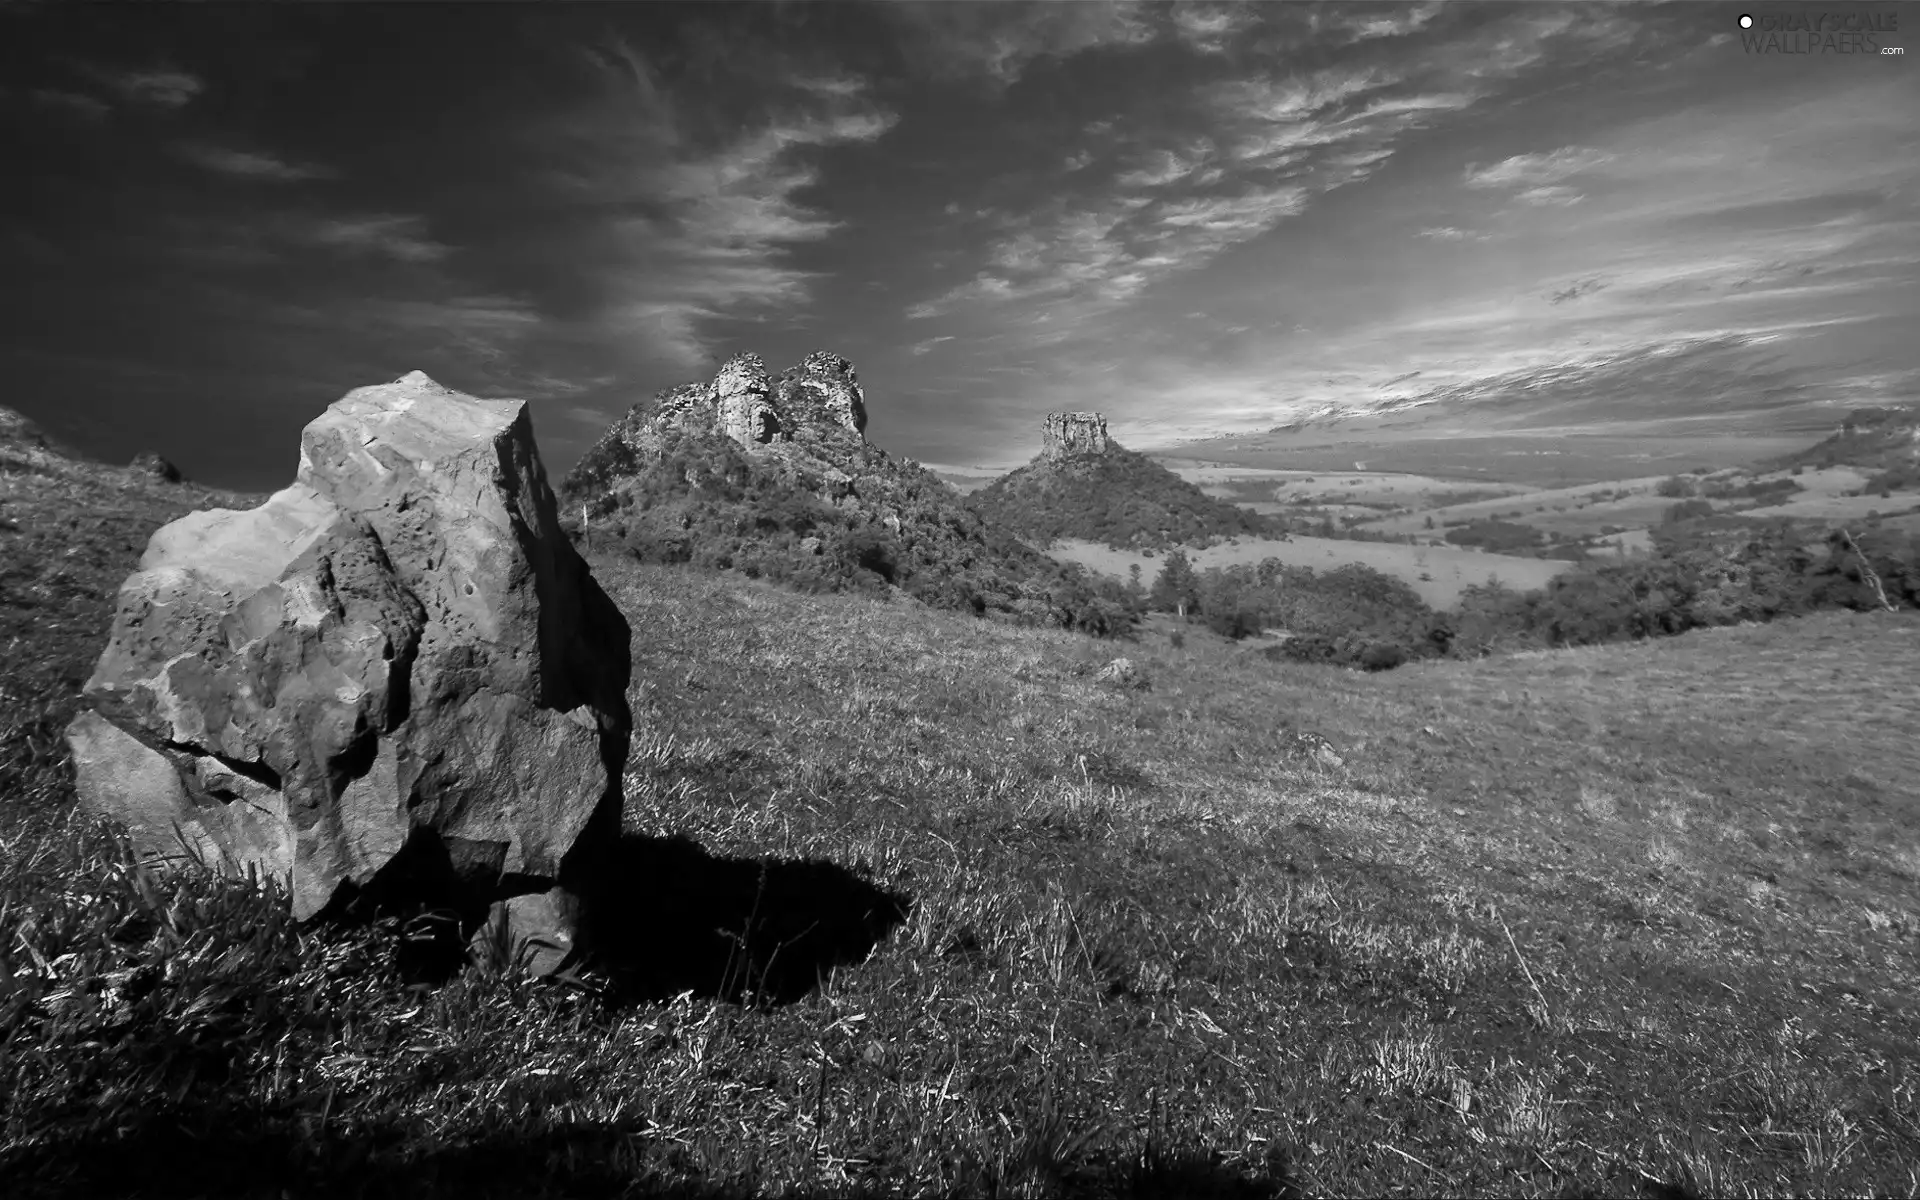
point(1687, 510)
point(1176, 588)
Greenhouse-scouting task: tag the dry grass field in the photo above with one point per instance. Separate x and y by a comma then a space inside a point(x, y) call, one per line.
point(1580, 923)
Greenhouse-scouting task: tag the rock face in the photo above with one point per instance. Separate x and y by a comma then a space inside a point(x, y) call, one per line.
point(1068, 434)
point(756, 408)
point(739, 397)
point(824, 386)
point(396, 671)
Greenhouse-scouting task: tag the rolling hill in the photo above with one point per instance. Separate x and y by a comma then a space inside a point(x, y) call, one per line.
point(1085, 485)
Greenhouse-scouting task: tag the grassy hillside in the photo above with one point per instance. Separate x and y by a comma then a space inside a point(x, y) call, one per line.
point(1117, 498)
point(1564, 923)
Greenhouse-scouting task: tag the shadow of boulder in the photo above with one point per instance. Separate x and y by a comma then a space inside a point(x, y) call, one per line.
point(238, 1151)
point(667, 917)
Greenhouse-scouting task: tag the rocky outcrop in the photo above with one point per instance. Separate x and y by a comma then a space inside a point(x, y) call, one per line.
point(820, 397)
point(395, 673)
point(801, 421)
point(19, 432)
point(742, 407)
point(824, 389)
point(1122, 674)
point(155, 467)
point(1310, 747)
point(1073, 433)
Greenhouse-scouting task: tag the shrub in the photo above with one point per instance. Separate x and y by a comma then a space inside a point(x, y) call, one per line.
point(1676, 487)
point(1686, 510)
point(1496, 536)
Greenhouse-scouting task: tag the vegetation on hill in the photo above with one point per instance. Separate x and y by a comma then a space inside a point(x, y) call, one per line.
point(1884, 438)
point(1713, 572)
point(1703, 572)
point(1116, 497)
point(1496, 536)
point(1900, 477)
point(695, 496)
point(1352, 615)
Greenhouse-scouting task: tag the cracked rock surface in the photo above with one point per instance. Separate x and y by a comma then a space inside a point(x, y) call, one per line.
point(396, 667)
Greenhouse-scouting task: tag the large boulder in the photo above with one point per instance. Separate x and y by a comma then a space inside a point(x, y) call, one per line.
point(396, 671)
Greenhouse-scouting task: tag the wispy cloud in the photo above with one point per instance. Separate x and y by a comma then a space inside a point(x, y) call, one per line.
point(1361, 24)
point(1447, 233)
point(1161, 167)
point(999, 42)
point(840, 87)
point(1536, 169)
point(1558, 195)
point(157, 87)
point(74, 103)
point(1242, 155)
point(387, 235)
point(484, 332)
point(246, 164)
point(1211, 28)
point(712, 219)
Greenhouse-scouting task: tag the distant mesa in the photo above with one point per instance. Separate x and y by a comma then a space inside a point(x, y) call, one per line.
point(1070, 433)
point(1083, 484)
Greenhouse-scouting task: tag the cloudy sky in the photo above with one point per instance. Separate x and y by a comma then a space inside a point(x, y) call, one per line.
point(1198, 219)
